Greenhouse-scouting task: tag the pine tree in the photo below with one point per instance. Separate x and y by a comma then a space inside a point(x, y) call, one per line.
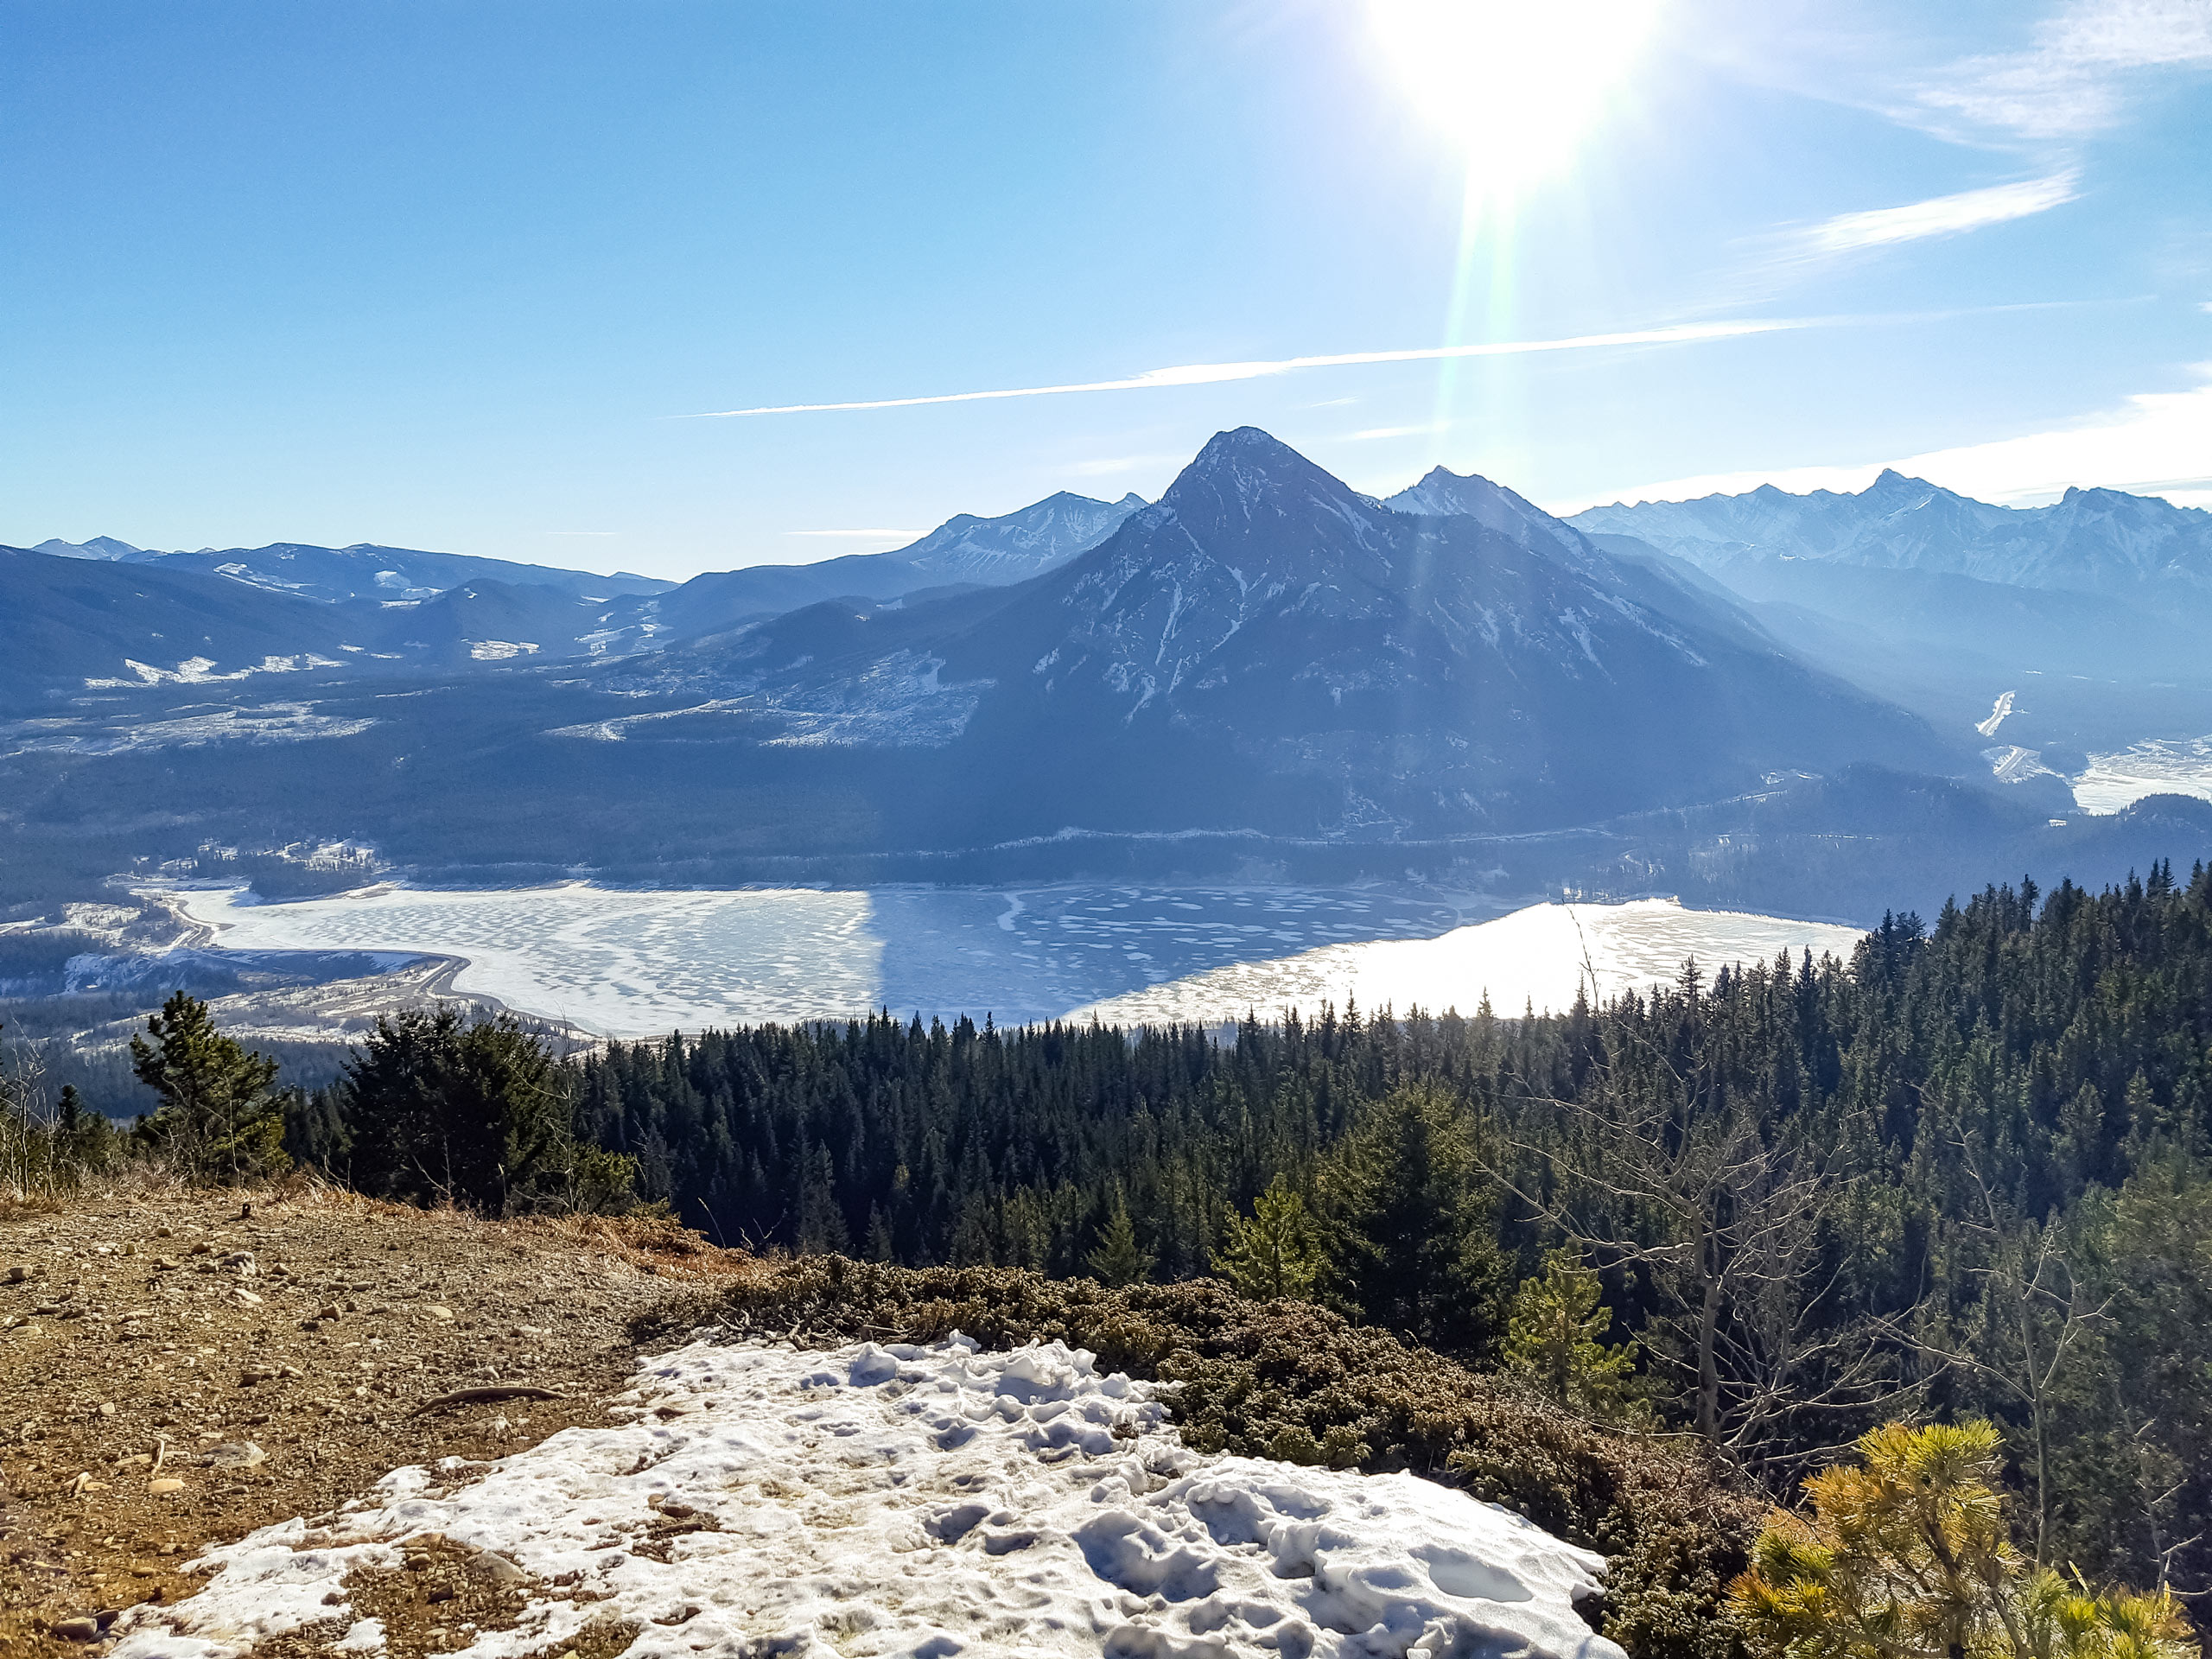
point(219, 1116)
point(1412, 1235)
point(1552, 1338)
point(1275, 1255)
point(439, 1109)
point(1909, 1555)
point(1119, 1260)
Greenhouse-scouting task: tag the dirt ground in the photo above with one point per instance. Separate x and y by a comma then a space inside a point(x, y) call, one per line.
point(178, 1368)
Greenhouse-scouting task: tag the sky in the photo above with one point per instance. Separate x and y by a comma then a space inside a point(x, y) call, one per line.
point(505, 278)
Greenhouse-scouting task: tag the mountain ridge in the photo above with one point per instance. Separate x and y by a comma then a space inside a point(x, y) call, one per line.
point(2094, 540)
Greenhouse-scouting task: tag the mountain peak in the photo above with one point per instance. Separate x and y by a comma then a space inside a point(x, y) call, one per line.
point(1241, 470)
point(1246, 445)
point(1444, 493)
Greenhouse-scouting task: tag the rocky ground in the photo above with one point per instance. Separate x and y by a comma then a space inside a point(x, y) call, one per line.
point(177, 1368)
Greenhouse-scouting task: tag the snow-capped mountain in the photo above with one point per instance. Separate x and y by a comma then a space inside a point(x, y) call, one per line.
point(1445, 493)
point(2094, 541)
point(1265, 647)
point(1019, 545)
point(99, 547)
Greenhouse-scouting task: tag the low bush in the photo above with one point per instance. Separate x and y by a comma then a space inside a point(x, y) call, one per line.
point(1293, 1380)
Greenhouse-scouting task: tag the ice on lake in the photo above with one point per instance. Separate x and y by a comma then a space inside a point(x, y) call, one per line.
point(628, 963)
point(2162, 766)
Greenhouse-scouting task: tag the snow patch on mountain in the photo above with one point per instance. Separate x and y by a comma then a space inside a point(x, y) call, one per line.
point(2099, 541)
point(874, 1500)
point(202, 670)
point(898, 701)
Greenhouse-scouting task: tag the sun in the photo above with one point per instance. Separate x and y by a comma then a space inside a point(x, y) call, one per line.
point(1516, 83)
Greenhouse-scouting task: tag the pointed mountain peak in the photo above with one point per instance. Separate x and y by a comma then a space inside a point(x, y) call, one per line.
point(1891, 482)
point(1444, 493)
point(1240, 470)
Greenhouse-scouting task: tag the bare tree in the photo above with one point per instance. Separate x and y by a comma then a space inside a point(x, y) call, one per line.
point(1650, 1168)
point(2036, 1316)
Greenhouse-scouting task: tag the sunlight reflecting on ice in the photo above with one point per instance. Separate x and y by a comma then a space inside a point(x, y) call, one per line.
point(634, 964)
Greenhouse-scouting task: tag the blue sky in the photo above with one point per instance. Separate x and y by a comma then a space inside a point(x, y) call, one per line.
point(467, 274)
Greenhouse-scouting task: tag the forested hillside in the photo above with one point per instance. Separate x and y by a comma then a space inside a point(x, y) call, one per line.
point(1965, 1172)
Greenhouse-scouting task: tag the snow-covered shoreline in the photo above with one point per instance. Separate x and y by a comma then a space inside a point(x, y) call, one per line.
point(872, 1501)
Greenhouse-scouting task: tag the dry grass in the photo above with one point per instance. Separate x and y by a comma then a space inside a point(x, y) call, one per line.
point(128, 1341)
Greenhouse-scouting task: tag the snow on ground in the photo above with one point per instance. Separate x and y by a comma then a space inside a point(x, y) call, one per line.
point(920, 1500)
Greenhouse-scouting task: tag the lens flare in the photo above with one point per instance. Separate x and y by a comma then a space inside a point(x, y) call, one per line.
point(1518, 84)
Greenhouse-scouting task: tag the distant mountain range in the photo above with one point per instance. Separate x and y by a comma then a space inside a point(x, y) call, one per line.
point(1266, 647)
point(382, 611)
point(362, 571)
point(2130, 547)
point(1751, 701)
point(2094, 608)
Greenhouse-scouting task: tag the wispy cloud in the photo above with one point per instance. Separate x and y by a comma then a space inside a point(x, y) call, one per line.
point(870, 535)
point(1423, 430)
point(1201, 374)
point(2153, 443)
point(2073, 78)
point(1969, 210)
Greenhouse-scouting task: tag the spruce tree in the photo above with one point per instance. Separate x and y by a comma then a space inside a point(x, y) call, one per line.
point(1274, 1255)
point(220, 1118)
point(1552, 1338)
point(440, 1109)
point(1119, 1260)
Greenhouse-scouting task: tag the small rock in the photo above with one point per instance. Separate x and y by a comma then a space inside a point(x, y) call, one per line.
point(107, 1409)
point(438, 1312)
point(236, 1454)
point(165, 1485)
point(83, 1629)
point(17, 1274)
point(246, 1298)
point(496, 1568)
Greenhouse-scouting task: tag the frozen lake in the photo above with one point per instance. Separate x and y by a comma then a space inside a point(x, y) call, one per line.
point(631, 964)
point(2164, 766)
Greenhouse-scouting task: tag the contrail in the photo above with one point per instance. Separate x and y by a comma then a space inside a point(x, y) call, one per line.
point(1199, 374)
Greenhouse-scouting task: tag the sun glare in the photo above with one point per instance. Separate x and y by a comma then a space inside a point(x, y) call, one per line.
point(1517, 83)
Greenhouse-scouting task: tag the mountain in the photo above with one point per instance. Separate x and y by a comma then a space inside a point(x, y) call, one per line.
point(100, 547)
point(963, 551)
point(367, 571)
point(1266, 648)
point(361, 571)
point(2130, 547)
point(1017, 545)
point(74, 625)
point(1444, 493)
